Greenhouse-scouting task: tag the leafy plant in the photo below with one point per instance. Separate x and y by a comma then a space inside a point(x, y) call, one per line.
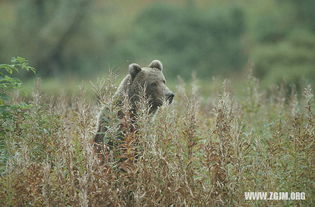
point(8, 109)
point(8, 82)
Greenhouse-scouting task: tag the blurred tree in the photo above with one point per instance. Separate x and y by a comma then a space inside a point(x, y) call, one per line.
point(284, 51)
point(304, 12)
point(84, 36)
point(289, 61)
point(44, 28)
point(188, 39)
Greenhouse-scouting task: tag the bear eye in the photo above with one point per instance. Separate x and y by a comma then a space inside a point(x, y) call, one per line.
point(164, 81)
point(154, 84)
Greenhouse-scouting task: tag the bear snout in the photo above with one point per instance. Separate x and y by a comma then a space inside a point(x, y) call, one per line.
point(170, 97)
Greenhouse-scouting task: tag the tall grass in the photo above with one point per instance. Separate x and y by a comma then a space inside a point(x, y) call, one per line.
point(198, 151)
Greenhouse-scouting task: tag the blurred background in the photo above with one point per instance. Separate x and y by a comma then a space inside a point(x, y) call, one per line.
point(79, 40)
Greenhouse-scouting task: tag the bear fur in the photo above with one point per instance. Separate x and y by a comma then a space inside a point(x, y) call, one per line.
point(149, 80)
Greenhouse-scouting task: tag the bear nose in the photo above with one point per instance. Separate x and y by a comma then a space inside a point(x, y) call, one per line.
point(169, 97)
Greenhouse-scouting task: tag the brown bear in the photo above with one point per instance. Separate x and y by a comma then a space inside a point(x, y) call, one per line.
point(149, 80)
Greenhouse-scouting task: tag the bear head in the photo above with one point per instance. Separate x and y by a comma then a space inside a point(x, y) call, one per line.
point(152, 80)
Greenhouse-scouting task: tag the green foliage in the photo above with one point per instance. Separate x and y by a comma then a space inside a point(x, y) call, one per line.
point(284, 43)
point(7, 82)
point(290, 61)
point(188, 39)
point(47, 32)
point(304, 12)
point(213, 38)
point(8, 111)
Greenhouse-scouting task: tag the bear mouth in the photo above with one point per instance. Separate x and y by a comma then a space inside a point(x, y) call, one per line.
point(170, 99)
point(156, 103)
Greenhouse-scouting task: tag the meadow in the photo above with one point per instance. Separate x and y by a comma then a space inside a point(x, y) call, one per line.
point(202, 150)
point(249, 129)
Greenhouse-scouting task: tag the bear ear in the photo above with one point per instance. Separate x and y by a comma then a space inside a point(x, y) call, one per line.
point(134, 69)
point(156, 64)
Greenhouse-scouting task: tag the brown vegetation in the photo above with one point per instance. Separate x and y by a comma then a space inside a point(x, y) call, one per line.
point(195, 152)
